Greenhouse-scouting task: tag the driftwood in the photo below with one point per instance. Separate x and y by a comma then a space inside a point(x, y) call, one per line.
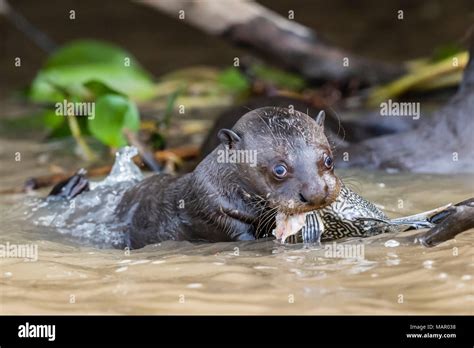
point(453, 221)
point(276, 38)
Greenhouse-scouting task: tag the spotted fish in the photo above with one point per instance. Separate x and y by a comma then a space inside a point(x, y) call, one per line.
point(350, 215)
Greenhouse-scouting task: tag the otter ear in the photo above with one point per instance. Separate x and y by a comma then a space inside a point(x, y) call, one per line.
point(320, 118)
point(228, 137)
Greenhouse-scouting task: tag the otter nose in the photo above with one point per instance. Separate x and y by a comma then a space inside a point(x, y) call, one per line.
point(314, 194)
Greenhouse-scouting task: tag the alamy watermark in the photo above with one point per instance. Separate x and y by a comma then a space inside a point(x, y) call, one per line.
point(28, 330)
point(69, 108)
point(237, 156)
point(29, 252)
point(393, 108)
point(344, 251)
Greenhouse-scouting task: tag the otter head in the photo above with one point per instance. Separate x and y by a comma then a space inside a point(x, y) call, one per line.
point(289, 162)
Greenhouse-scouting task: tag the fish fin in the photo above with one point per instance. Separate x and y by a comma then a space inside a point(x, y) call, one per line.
point(313, 229)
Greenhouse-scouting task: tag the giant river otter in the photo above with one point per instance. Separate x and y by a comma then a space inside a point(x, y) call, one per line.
point(272, 161)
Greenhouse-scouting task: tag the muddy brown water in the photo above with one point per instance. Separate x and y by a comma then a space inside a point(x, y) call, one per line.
point(237, 278)
point(393, 276)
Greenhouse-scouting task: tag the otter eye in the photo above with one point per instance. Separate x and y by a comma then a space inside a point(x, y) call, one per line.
point(280, 171)
point(328, 162)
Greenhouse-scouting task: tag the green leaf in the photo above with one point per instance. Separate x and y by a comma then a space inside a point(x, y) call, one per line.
point(233, 80)
point(83, 52)
point(72, 78)
point(59, 127)
point(279, 77)
point(98, 89)
point(80, 62)
point(114, 114)
point(445, 51)
point(51, 120)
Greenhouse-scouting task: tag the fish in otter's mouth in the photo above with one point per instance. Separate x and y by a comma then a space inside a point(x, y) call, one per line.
point(349, 215)
point(288, 225)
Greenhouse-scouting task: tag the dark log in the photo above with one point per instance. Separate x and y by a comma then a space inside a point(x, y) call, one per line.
point(278, 39)
point(454, 220)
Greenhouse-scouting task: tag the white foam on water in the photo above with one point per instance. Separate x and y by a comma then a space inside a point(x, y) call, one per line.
point(90, 217)
point(391, 243)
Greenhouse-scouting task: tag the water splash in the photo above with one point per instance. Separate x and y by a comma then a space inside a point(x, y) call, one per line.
point(123, 170)
point(90, 217)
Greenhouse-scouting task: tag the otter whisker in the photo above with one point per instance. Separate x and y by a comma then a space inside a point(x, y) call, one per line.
point(339, 127)
point(267, 217)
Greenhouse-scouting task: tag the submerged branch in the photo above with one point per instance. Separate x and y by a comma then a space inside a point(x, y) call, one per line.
point(455, 220)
